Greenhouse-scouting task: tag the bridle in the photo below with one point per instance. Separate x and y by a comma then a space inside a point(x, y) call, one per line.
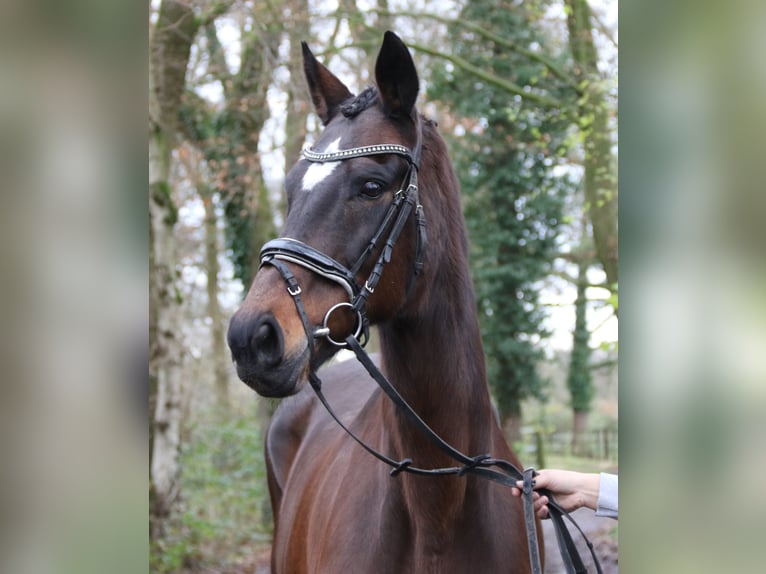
point(286, 250)
point(393, 222)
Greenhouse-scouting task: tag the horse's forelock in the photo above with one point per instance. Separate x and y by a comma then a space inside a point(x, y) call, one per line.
point(364, 100)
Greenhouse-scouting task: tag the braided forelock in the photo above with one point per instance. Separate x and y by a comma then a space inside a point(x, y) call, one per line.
point(360, 103)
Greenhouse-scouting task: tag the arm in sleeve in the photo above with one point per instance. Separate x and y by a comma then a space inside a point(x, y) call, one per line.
point(607, 496)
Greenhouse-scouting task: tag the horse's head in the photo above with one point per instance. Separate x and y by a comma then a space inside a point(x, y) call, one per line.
point(343, 208)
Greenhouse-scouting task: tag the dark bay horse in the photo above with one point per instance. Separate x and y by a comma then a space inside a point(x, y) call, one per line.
point(336, 508)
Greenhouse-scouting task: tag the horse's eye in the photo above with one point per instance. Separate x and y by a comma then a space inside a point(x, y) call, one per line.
point(372, 189)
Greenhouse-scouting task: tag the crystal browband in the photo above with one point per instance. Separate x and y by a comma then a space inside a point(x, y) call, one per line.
point(379, 149)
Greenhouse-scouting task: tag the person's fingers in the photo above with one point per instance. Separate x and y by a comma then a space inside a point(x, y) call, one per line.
point(541, 479)
point(516, 490)
point(540, 502)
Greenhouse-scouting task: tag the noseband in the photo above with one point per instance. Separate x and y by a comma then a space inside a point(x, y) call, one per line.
point(285, 249)
point(297, 252)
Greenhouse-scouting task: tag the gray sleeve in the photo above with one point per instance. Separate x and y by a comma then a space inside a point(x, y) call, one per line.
point(607, 496)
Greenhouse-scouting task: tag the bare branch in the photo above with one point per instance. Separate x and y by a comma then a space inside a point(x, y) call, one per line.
point(216, 9)
point(468, 67)
point(604, 321)
point(604, 29)
point(608, 363)
point(217, 68)
point(169, 51)
point(487, 35)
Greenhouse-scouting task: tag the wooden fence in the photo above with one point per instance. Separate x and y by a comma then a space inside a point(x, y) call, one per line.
point(598, 444)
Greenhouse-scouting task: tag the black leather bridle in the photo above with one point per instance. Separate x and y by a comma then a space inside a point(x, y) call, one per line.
point(286, 250)
point(393, 222)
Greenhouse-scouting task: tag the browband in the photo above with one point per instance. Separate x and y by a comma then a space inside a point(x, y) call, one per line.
point(378, 149)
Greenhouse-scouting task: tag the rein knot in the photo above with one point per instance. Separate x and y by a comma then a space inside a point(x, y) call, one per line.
point(401, 466)
point(475, 461)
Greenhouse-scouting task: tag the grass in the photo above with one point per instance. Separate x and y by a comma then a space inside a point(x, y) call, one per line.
point(580, 464)
point(223, 516)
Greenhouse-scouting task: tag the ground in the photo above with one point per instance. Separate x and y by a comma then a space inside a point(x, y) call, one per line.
point(600, 531)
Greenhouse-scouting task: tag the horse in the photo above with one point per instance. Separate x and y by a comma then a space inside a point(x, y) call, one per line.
point(374, 235)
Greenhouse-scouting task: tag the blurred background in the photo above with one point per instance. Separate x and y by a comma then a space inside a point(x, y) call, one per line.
point(525, 95)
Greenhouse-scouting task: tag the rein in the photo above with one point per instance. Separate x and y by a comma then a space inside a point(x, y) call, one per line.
point(279, 251)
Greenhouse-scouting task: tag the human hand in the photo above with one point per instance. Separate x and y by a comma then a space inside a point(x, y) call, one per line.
point(569, 489)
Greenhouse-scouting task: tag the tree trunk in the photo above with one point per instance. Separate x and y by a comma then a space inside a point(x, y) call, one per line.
point(297, 96)
point(579, 430)
point(219, 354)
point(600, 165)
point(170, 46)
point(363, 35)
point(512, 428)
point(166, 348)
point(579, 379)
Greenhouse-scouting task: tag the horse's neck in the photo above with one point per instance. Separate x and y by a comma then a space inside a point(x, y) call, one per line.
point(436, 362)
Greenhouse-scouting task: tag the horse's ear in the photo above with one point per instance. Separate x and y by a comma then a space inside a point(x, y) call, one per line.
point(327, 91)
point(396, 76)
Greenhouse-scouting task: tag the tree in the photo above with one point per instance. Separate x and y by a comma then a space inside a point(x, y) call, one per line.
point(228, 136)
point(600, 181)
point(579, 381)
point(297, 95)
point(219, 355)
point(586, 104)
point(170, 46)
point(513, 203)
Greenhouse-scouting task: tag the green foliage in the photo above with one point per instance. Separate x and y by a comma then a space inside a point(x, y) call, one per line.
point(223, 515)
point(614, 298)
point(513, 202)
point(220, 136)
point(579, 380)
point(162, 196)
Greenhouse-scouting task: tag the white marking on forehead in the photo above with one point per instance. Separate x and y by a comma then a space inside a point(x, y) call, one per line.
point(317, 172)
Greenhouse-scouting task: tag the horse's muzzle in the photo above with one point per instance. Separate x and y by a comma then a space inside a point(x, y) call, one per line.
point(258, 350)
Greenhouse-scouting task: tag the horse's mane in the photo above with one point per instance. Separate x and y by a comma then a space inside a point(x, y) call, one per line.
point(358, 104)
point(438, 175)
point(355, 105)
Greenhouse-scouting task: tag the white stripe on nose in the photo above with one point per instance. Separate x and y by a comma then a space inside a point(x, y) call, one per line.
point(317, 172)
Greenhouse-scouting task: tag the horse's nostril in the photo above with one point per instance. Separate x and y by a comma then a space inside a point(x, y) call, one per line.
point(256, 343)
point(266, 341)
point(263, 332)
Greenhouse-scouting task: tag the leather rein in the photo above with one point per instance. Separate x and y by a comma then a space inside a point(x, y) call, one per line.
point(284, 250)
